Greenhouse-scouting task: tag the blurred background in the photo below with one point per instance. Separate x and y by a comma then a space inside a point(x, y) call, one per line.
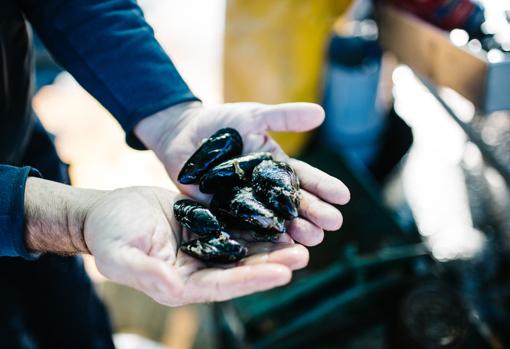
point(417, 124)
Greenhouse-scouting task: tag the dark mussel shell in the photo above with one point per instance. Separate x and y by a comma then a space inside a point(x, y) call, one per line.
point(276, 184)
point(215, 248)
point(239, 208)
point(222, 145)
point(196, 217)
point(232, 172)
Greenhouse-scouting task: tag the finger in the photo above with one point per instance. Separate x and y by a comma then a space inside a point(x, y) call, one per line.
point(320, 183)
point(192, 191)
point(264, 143)
point(293, 256)
point(319, 212)
point(305, 232)
point(208, 285)
point(294, 117)
point(284, 239)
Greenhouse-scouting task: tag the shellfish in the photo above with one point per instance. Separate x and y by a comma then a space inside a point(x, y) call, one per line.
point(196, 217)
point(222, 145)
point(216, 248)
point(240, 209)
point(276, 184)
point(232, 172)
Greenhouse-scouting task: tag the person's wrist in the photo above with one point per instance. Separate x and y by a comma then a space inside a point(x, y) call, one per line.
point(156, 129)
point(77, 214)
point(55, 215)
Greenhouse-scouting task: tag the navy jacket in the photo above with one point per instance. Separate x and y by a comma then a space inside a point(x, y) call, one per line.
point(110, 50)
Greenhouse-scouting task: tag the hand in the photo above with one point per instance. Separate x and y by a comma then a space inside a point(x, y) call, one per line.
point(176, 133)
point(134, 238)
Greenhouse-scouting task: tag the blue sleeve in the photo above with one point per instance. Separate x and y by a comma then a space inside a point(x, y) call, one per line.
point(111, 51)
point(12, 211)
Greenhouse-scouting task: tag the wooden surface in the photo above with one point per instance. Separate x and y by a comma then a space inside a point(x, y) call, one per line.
point(428, 51)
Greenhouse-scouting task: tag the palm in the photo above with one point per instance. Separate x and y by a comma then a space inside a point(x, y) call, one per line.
point(134, 237)
point(202, 125)
point(252, 121)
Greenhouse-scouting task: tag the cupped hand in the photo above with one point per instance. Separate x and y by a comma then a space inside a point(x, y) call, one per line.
point(134, 238)
point(176, 133)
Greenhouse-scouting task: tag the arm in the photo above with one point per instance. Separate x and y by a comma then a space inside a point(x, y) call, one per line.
point(111, 51)
point(109, 48)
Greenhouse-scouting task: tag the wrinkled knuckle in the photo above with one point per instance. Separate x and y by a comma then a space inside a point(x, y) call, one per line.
point(307, 211)
point(315, 209)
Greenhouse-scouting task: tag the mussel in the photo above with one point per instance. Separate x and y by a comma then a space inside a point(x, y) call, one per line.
point(239, 208)
point(216, 248)
point(222, 145)
point(252, 193)
point(232, 172)
point(276, 184)
point(196, 217)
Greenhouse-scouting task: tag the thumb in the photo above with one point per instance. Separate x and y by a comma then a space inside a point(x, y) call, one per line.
point(293, 117)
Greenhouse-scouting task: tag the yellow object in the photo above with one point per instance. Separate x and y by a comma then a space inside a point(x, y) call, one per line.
point(274, 53)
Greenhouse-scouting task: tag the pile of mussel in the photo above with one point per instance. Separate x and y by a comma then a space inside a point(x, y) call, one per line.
point(252, 194)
